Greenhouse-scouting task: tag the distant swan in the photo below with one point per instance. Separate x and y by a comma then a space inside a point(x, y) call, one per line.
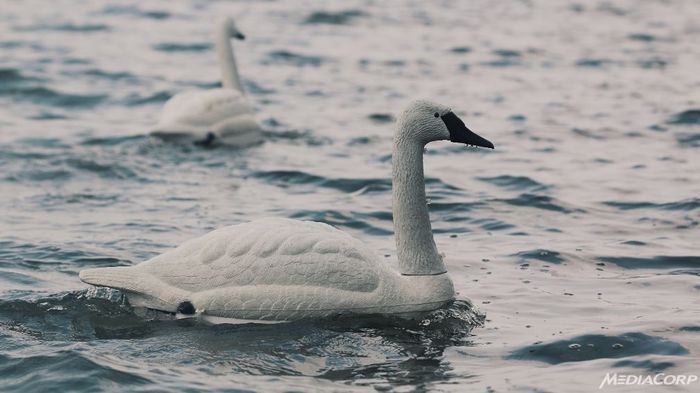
point(217, 115)
point(277, 269)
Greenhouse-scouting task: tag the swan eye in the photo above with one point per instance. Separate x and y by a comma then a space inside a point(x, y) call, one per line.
point(436, 114)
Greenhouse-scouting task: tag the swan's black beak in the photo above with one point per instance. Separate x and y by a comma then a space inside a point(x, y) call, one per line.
point(460, 133)
point(240, 36)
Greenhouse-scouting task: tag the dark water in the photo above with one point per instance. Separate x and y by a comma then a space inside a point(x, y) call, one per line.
point(576, 240)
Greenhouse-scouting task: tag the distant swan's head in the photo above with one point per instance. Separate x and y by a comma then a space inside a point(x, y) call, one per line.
point(227, 25)
point(425, 121)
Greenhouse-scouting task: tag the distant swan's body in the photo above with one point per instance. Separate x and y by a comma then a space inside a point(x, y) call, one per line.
point(276, 269)
point(217, 115)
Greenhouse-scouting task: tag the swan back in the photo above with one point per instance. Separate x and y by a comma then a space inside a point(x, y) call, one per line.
point(204, 108)
point(272, 251)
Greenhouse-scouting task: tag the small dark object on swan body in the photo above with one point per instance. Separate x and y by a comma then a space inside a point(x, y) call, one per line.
point(185, 308)
point(208, 140)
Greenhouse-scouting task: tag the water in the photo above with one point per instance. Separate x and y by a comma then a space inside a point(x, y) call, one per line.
point(576, 240)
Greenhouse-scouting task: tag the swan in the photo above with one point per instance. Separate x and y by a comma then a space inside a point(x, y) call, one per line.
point(213, 116)
point(277, 269)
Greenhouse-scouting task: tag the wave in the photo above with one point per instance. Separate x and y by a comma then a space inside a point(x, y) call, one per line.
point(180, 47)
point(155, 98)
point(593, 63)
point(598, 346)
point(136, 11)
point(684, 204)
point(492, 224)
point(540, 254)
point(515, 182)
point(690, 140)
point(307, 137)
point(461, 49)
point(111, 75)
point(690, 116)
point(10, 76)
point(65, 370)
point(254, 88)
point(351, 346)
point(643, 37)
point(290, 58)
point(69, 28)
point(505, 58)
point(112, 140)
point(109, 311)
point(538, 201)
point(43, 95)
point(350, 219)
point(381, 118)
point(657, 262)
point(333, 18)
point(104, 169)
point(286, 178)
point(48, 257)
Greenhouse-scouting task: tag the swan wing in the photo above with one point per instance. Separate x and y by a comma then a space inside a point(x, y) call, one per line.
point(202, 110)
point(271, 251)
point(274, 252)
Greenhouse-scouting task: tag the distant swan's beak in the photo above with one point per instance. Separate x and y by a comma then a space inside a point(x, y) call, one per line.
point(240, 36)
point(460, 133)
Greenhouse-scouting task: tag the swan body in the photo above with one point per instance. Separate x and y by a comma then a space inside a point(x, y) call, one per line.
point(221, 115)
point(213, 116)
point(273, 269)
point(277, 269)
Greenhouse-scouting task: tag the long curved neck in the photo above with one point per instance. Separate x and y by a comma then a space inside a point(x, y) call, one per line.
point(415, 245)
point(227, 63)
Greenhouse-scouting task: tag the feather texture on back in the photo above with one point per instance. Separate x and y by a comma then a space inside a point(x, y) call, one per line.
point(271, 251)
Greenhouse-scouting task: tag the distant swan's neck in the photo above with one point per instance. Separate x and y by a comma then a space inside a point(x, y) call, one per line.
point(415, 245)
point(227, 63)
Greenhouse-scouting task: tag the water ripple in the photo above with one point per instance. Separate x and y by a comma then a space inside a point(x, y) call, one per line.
point(543, 202)
point(9, 76)
point(591, 132)
point(136, 11)
point(180, 47)
point(597, 346)
point(691, 140)
point(294, 59)
point(333, 18)
point(690, 116)
point(44, 95)
point(69, 28)
point(520, 183)
point(540, 255)
point(657, 262)
point(285, 178)
point(684, 204)
point(347, 219)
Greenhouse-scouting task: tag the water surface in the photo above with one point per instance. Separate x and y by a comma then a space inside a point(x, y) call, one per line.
point(576, 240)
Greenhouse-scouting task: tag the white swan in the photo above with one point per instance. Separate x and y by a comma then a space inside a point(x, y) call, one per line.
point(277, 269)
point(217, 115)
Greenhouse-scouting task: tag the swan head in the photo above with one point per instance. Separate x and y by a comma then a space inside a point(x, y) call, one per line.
point(229, 27)
point(425, 121)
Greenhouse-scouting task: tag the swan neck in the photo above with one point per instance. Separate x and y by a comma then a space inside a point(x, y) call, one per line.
point(229, 71)
point(416, 249)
